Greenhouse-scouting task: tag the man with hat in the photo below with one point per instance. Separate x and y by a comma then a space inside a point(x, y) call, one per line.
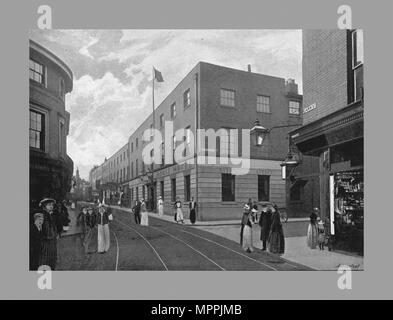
point(265, 223)
point(88, 220)
point(103, 238)
point(49, 225)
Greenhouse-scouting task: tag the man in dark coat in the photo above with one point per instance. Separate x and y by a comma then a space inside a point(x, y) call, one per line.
point(265, 223)
point(137, 212)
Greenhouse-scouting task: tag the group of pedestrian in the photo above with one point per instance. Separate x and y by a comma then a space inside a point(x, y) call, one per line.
point(95, 221)
point(48, 222)
point(140, 213)
point(272, 234)
point(318, 234)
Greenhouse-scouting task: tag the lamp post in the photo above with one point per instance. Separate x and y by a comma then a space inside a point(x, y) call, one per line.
point(258, 134)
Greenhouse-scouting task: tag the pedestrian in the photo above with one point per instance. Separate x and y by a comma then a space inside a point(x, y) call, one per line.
point(103, 237)
point(246, 241)
point(136, 209)
point(144, 214)
point(88, 220)
point(312, 231)
point(276, 241)
point(160, 206)
point(179, 212)
point(64, 214)
point(321, 234)
point(49, 225)
point(265, 223)
point(192, 206)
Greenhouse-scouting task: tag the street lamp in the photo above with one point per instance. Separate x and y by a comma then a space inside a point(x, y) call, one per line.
point(258, 133)
point(291, 161)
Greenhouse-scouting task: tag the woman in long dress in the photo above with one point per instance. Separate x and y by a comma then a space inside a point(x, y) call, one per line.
point(144, 215)
point(276, 242)
point(160, 206)
point(103, 236)
point(312, 232)
point(179, 211)
point(247, 244)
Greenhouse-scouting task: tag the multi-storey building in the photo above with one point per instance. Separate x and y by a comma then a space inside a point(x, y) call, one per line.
point(330, 175)
point(50, 167)
point(216, 98)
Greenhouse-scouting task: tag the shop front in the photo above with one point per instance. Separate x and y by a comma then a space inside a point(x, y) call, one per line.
point(338, 144)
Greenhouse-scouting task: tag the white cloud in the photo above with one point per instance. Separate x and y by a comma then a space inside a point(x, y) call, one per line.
point(85, 49)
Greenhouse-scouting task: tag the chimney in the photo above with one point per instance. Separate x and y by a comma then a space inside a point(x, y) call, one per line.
point(291, 86)
point(249, 68)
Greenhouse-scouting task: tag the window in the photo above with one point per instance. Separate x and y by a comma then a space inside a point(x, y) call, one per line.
point(173, 110)
point(228, 187)
point(263, 104)
point(62, 89)
point(187, 188)
point(136, 167)
point(357, 63)
point(132, 169)
point(136, 143)
point(137, 193)
point(187, 98)
point(162, 121)
point(143, 193)
point(37, 130)
point(227, 98)
point(162, 189)
point(263, 188)
point(174, 147)
point(187, 140)
point(173, 189)
point(132, 147)
point(294, 107)
point(61, 137)
point(162, 153)
point(36, 72)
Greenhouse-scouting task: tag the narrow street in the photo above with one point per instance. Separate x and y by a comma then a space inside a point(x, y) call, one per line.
point(165, 246)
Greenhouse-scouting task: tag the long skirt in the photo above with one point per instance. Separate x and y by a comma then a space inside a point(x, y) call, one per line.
point(103, 238)
point(48, 254)
point(160, 210)
point(192, 216)
point(87, 238)
point(276, 243)
point(247, 238)
point(312, 236)
point(179, 214)
point(144, 218)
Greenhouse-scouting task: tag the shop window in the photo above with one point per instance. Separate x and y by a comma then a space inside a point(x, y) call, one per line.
point(187, 188)
point(228, 187)
point(263, 188)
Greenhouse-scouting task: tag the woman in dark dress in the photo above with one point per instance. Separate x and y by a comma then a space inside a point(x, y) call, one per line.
point(312, 232)
point(265, 223)
point(276, 242)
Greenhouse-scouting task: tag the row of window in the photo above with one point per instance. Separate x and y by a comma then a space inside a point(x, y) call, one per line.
point(227, 99)
point(227, 188)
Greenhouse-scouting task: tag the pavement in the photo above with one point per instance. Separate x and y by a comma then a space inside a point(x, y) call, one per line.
point(161, 236)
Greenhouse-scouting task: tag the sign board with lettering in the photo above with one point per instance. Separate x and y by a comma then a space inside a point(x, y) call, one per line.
point(309, 108)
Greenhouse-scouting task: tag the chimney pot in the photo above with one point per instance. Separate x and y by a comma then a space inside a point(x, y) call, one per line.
point(249, 68)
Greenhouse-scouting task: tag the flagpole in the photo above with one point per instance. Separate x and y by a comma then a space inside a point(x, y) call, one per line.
point(152, 171)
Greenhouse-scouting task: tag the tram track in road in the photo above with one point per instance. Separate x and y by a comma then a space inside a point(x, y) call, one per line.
point(117, 251)
point(147, 241)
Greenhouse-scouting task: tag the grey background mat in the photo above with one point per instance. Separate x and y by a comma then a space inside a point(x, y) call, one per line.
point(375, 17)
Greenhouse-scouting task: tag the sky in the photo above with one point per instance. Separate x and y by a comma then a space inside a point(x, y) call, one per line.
point(112, 69)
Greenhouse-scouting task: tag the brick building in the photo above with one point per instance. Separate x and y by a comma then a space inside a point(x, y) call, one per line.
point(213, 97)
point(50, 167)
point(330, 142)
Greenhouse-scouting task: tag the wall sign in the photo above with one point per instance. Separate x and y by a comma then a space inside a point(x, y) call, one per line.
point(309, 108)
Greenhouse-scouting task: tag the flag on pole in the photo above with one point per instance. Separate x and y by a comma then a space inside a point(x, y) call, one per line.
point(158, 75)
